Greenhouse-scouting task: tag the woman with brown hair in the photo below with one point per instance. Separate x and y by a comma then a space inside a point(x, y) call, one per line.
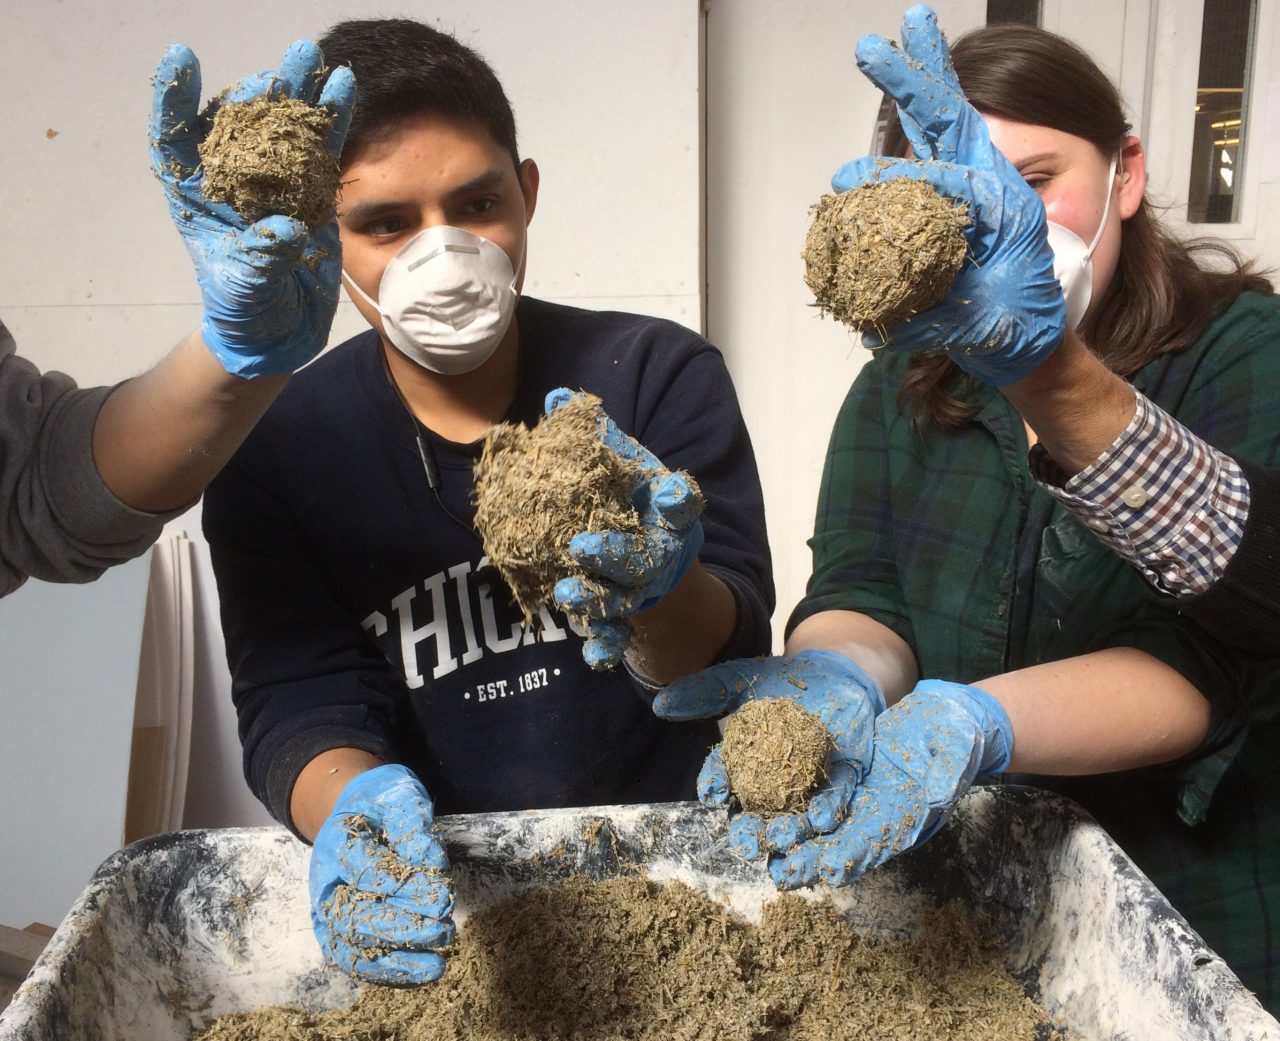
point(1080, 420)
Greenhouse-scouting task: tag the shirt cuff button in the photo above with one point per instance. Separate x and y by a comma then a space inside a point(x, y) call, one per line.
point(1135, 496)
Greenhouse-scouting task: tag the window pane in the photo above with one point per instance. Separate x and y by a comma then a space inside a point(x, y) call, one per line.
point(1222, 112)
point(1025, 11)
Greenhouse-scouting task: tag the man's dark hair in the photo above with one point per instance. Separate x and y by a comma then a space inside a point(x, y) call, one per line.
point(405, 69)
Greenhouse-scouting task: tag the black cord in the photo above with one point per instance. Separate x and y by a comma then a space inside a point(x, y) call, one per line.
point(428, 458)
point(425, 452)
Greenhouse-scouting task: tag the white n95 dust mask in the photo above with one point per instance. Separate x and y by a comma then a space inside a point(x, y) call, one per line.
point(446, 298)
point(1073, 260)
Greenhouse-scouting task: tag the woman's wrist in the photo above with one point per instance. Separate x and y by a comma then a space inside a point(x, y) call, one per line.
point(1075, 404)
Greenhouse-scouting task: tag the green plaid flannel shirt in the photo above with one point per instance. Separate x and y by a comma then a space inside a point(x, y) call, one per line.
point(945, 537)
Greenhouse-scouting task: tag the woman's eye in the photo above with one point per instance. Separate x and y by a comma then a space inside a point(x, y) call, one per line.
point(1037, 182)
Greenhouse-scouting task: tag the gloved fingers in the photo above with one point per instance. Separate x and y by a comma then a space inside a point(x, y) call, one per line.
point(596, 600)
point(421, 892)
point(849, 715)
point(628, 572)
point(388, 968)
point(606, 642)
point(875, 57)
point(713, 692)
point(927, 93)
point(265, 84)
point(301, 69)
point(713, 781)
point(675, 503)
point(925, 108)
point(271, 245)
point(786, 831)
point(322, 259)
point(948, 179)
point(924, 42)
point(369, 865)
point(617, 556)
point(415, 842)
point(365, 920)
point(932, 109)
point(558, 398)
point(339, 94)
point(746, 836)
point(175, 118)
point(888, 814)
point(828, 807)
point(399, 949)
point(923, 332)
point(297, 77)
point(627, 446)
point(402, 817)
point(797, 868)
point(624, 558)
point(847, 857)
point(980, 338)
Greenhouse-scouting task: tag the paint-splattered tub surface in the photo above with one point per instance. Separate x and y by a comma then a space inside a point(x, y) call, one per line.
point(176, 930)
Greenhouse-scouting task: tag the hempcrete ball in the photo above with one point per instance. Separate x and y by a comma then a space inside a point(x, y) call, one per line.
point(267, 156)
point(776, 755)
point(882, 252)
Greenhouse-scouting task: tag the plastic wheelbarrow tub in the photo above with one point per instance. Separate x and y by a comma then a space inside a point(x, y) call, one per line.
point(176, 930)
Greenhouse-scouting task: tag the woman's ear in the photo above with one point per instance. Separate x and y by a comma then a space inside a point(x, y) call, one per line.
point(1131, 171)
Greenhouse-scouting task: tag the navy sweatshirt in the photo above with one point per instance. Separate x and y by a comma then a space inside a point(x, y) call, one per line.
point(356, 613)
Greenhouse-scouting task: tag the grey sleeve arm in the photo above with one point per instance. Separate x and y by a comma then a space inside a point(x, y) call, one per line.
point(58, 521)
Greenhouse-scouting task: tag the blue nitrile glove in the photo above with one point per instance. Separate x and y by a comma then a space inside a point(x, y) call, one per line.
point(381, 903)
point(929, 747)
point(630, 573)
point(269, 289)
point(1005, 312)
point(827, 685)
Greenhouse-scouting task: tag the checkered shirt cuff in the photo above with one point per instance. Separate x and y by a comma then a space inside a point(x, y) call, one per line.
point(1161, 498)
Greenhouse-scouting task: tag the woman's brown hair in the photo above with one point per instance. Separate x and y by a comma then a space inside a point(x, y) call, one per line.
point(1161, 297)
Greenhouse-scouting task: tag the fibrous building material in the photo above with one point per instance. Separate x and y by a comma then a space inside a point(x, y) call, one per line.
point(268, 156)
point(776, 754)
point(882, 252)
point(633, 959)
point(536, 488)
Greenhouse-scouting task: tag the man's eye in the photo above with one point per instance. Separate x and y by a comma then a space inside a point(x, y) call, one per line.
point(385, 226)
point(481, 206)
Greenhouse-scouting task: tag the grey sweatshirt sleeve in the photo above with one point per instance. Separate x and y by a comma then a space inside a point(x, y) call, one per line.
point(58, 521)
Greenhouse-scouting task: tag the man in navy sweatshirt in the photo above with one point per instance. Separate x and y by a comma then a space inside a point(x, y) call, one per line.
point(381, 672)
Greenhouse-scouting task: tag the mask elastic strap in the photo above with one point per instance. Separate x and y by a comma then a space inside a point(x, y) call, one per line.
point(1106, 210)
point(515, 277)
point(365, 296)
